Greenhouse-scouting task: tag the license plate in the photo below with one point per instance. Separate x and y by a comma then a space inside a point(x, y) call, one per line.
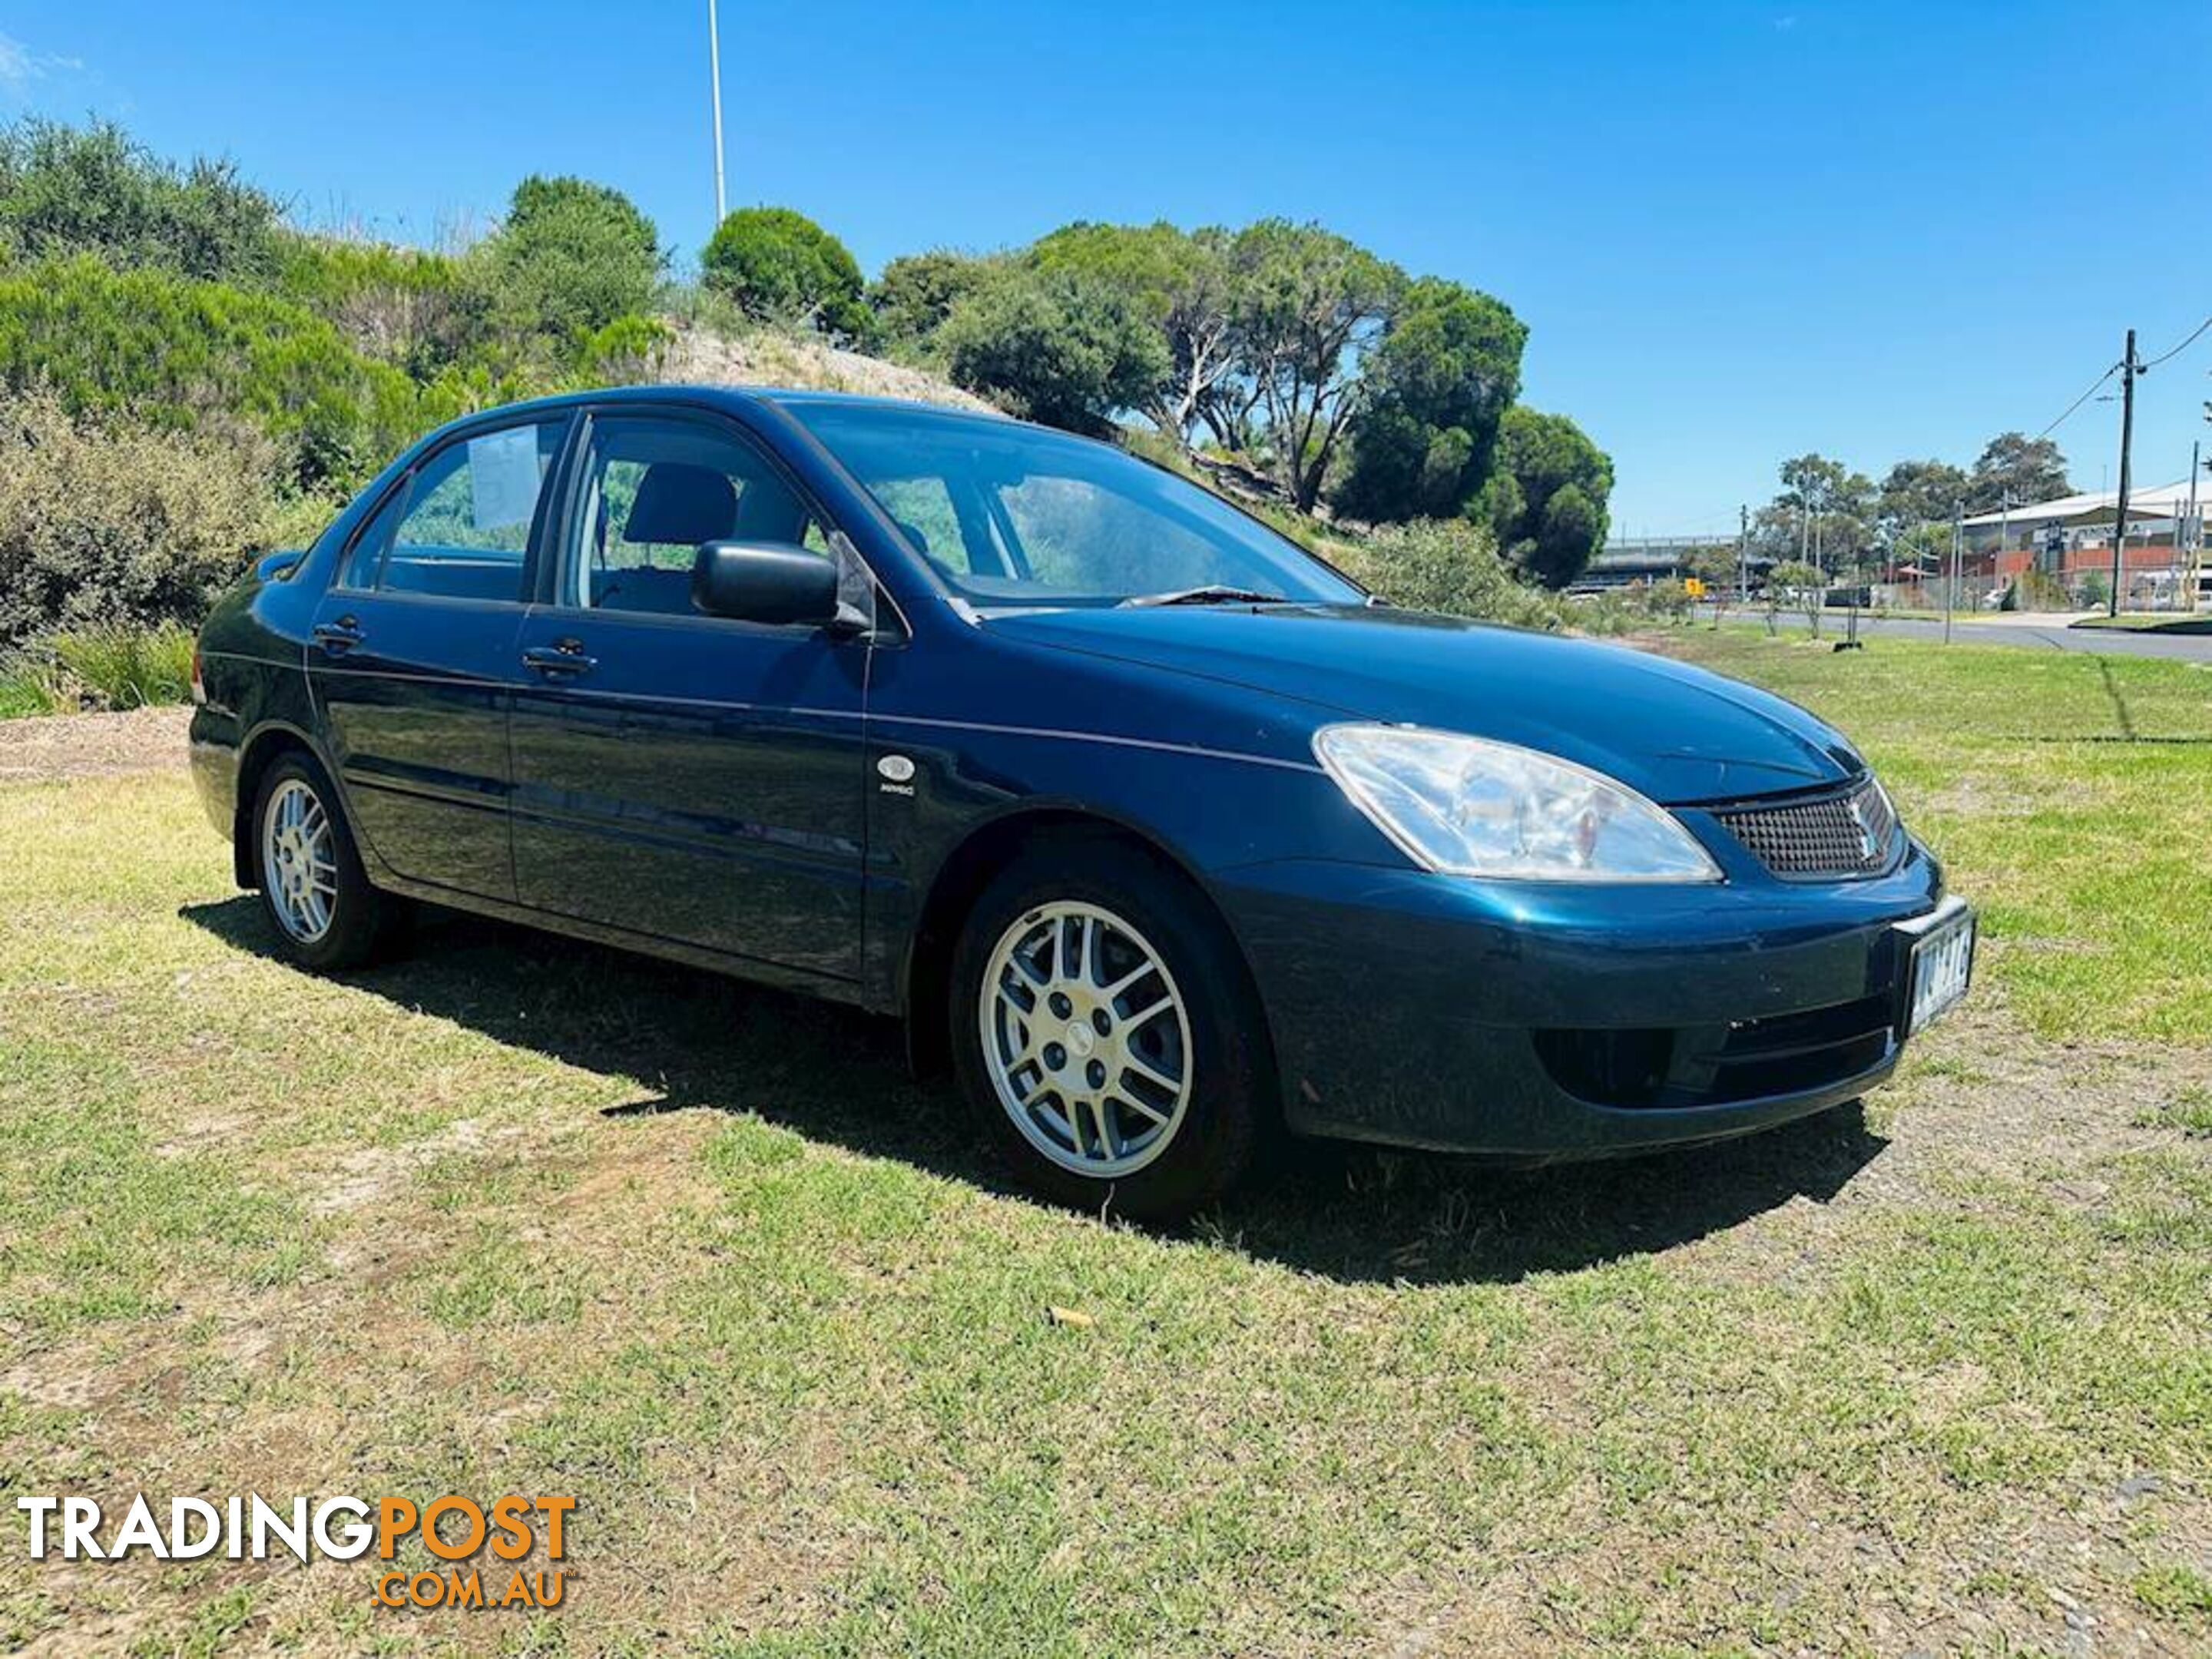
point(1942, 963)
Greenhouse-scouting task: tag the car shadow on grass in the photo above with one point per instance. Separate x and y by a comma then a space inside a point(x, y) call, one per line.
point(694, 1041)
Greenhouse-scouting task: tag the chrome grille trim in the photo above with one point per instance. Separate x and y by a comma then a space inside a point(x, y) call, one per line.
point(1849, 834)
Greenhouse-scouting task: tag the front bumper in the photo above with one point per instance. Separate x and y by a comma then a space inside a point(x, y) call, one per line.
point(1538, 1022)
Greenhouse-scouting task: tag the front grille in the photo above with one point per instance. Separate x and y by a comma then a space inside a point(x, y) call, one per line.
point(1845, 834)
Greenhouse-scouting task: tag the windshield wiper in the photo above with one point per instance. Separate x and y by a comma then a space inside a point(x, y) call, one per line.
point(1211, 594)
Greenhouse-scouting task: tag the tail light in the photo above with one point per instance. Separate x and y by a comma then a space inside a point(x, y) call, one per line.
point(199, 680)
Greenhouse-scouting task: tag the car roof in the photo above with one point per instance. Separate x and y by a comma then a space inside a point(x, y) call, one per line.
point(791, 397)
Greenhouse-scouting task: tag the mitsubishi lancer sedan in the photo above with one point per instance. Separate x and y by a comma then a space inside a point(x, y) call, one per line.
point(1169, 838)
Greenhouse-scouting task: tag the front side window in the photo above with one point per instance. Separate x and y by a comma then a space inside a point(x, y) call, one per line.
point(655, 490)
point(1014, 515)
point(460, 528)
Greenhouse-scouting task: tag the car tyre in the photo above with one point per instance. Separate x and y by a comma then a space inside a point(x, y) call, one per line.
point(1184, 1041)
point(317, 899)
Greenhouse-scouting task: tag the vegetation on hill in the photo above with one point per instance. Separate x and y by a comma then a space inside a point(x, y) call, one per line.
point(181, 366)
point(1354, 389)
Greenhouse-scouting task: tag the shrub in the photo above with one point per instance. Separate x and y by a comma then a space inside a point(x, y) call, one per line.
point(67, 190)
point(111, 523)
point(572, 256)
point(120, 666)
point(917, 292)
point(779, 266)
point(1053, 346)
point(31, 683)
point(627, 351)
point(1448, 565)
point(171, 351)
point(424, 312)
point(2035, 590)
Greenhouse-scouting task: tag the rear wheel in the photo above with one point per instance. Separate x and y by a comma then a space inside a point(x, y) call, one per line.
point(1106, 1033)
point(312, 889)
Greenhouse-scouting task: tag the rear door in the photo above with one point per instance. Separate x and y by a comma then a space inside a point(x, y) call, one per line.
point(413, 655)
point(679, 775)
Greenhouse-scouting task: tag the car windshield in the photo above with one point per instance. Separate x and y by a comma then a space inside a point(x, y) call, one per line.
point(1014, 515)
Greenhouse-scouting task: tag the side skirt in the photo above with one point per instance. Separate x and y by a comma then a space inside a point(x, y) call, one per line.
point(751, 970)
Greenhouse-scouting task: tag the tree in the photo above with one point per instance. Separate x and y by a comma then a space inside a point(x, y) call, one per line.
point(1919, 492)
point(68, 189)
point(1445, 371)
point(1832, 508)
point(1309, 307)
point(1053, 346)
point(917, 292)
point(1183, 282)
point(571, 257)
point(778, 265)
point(2016, 466)
point(1716, 567)
point(1546, 495)
point(1806, 583)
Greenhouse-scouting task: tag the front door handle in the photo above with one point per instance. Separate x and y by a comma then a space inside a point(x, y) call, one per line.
point(338, 637)
point(561, 658)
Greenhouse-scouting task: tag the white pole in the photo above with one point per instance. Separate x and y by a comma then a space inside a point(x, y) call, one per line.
point(2004, 538)
point(714, 72)
point(1951, 581)
point(2192, 531)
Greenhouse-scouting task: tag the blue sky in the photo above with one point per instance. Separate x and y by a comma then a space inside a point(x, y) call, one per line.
point(1736, 233)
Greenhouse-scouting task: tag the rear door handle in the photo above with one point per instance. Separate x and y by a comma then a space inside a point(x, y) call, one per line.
point(338, 636)
point(560, 658)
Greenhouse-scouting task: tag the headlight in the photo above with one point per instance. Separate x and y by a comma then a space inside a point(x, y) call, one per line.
point(1468, 806)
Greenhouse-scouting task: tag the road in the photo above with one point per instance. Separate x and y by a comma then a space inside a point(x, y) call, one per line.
point(2052, 636)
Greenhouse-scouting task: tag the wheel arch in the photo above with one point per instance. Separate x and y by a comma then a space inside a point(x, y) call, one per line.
point(959, 880)
point(268, 743)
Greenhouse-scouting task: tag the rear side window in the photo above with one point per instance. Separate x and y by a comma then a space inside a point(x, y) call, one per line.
point(460, 528)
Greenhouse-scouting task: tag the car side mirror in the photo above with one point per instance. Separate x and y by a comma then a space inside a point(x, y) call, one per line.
point(769, 582)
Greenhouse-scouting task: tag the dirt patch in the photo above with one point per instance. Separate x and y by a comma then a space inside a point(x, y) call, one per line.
point(45, 749)
point(769, 359)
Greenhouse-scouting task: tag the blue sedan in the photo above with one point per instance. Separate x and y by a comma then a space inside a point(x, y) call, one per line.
point(1165, 835)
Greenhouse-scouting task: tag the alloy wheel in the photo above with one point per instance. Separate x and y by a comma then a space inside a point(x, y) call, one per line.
point(1086, 1039)
point(299, 862)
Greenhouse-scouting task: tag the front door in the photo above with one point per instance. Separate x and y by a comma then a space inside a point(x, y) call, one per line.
point(413, 655)
point(679, 775)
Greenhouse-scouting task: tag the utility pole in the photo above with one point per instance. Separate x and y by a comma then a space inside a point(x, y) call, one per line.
point(2004, 539)
point(1951, 578)
point(2129, 370)
point(714, 74)
point(2192, 533)
point(1743, 555)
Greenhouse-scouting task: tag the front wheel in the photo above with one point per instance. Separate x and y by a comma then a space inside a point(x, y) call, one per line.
point(312, 887)
point(1107, 1035)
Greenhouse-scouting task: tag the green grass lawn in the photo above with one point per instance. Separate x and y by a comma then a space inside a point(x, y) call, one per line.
point(2070, 796)
point(516, 1215)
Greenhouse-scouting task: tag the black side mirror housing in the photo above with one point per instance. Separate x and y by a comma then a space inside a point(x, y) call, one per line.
point(769, 582)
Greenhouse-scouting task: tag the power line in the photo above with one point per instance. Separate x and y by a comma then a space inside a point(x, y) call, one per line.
point(2094, 388)
point(2178, 350)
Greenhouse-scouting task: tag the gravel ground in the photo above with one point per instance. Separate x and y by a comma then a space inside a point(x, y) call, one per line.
point(43, 749)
